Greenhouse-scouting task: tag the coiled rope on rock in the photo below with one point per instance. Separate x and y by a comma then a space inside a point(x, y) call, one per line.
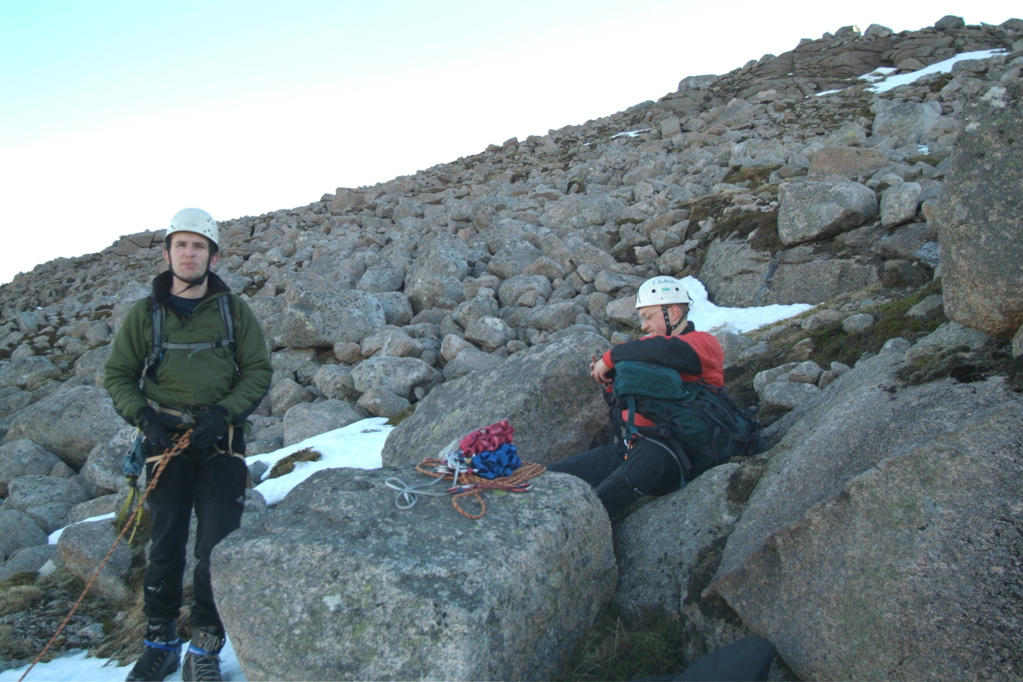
point(463, 485)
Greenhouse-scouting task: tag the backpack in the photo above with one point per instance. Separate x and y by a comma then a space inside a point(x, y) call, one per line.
point(698, 422)
point(157, 345)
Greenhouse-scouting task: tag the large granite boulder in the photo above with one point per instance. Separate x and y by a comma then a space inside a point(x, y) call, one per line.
point(911, 572)
point(576, 211)
point(434, 280)
point(306, 420)
point(23, 458)
point(737, 275)
point(545, 393)
point(18, 530)
point(805, 275)
point(401, 376)
point(331, 272)
point(863, 417)
point(908, 121)
point(811, 211)
point(27, 373)
point(850, 162)
point(904, 538)
point(899, 203)
point(338, 583)
point(47, 499)
point(979, 220)
point(310, 319)
point(103, 471)
point(667, 552)
point(26, 560)
point(69, 422)
point(82, 546)
point(344, 199)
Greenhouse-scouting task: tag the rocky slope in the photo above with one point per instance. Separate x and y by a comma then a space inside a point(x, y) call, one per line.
point(471, 289)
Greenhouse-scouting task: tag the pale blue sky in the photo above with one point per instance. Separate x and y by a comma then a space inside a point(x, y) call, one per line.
point(114, 115)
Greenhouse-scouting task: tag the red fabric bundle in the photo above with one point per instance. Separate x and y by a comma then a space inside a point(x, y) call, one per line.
point(488, 438)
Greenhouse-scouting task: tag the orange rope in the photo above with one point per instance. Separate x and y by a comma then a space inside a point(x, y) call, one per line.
point(525, 472)
point(160, 466)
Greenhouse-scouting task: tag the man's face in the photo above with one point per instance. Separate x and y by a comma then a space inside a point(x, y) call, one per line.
point(652, 320)
point(189, 255)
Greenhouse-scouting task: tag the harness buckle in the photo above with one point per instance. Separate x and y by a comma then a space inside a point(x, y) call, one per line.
point(188, 414)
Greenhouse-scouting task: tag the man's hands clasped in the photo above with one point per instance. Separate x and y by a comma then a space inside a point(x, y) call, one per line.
point(210, 428)
point(599, 370)
point(157, 427)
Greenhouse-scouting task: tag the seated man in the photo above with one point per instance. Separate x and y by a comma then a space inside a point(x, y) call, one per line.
point(623, 472)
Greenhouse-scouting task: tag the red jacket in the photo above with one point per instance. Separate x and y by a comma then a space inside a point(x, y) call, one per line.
point(696, 355)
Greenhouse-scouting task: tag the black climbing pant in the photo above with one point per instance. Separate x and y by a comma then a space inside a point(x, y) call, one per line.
point(618, 480)
point(214, 485)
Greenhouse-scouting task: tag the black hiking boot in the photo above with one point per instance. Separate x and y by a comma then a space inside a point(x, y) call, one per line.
point(161, 653)
point(202, 660)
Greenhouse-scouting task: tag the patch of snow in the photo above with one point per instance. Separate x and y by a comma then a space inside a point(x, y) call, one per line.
point(630, 133)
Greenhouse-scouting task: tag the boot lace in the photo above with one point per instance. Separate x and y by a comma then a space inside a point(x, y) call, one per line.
point(207, 668)
point(205, 659)
point(154, 655)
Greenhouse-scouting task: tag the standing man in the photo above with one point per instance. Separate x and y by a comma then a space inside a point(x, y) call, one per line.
point(621, 472)
point(191, 356)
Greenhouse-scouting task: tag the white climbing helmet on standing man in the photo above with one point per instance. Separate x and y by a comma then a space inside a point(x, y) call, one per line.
point(195, 220)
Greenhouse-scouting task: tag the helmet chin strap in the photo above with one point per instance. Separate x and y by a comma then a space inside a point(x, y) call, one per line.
point(197, 282)
point(667, 321)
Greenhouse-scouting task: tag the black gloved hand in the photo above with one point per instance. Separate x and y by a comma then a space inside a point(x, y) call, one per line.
point(210, 428)
point(155, 426)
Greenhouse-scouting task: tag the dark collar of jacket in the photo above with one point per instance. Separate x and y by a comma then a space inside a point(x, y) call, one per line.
point(162, 286)
point(690, 327)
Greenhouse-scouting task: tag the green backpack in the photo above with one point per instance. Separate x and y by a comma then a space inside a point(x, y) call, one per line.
point(699, 422)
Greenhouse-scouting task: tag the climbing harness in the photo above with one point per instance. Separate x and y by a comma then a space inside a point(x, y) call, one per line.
point(160, 466)
point(485, 459)
point(190, 416)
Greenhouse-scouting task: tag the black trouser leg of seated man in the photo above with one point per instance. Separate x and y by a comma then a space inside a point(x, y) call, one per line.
point(649, 470)
point(593, 466)
point(618, 482)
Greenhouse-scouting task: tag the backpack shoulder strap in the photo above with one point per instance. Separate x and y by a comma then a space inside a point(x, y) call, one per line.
point(159, 316)
point(224, 303)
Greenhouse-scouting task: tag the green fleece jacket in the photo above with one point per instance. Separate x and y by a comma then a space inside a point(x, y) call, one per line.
point(183, 378)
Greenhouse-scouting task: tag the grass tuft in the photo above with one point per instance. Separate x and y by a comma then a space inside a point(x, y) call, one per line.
point(833, 344)
point(287, 465)
point(610, 651)
point(18, 598)
point(21, 578)
point(401, 416)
